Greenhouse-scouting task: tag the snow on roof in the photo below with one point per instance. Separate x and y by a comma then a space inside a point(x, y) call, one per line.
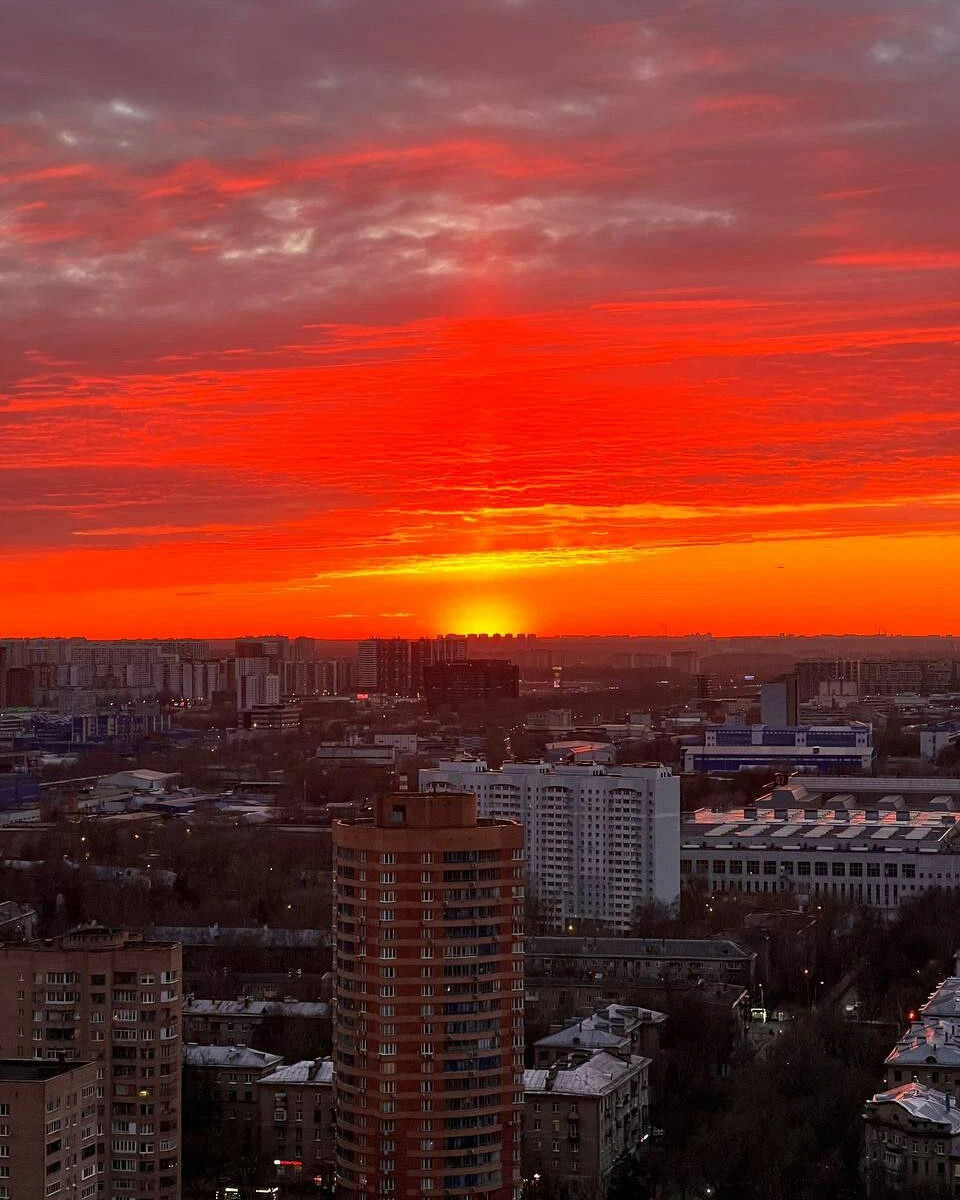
point(313, 1071)
point(596, 1076)
point(923, 1103)
point(255, 1008)
point(228, 1056)
point(934, 1041)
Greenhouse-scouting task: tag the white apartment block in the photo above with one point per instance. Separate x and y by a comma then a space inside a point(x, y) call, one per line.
point(600, 840)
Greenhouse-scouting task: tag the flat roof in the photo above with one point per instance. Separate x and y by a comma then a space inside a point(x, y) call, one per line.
point(30, 1070)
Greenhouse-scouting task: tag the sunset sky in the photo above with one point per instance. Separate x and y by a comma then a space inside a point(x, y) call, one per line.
point(346, 317)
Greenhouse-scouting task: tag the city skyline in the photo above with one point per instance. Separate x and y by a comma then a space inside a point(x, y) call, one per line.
point(495, 315)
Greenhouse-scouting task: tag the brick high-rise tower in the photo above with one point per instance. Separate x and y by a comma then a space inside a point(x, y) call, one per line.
point(428, 1038)
point(106, 997)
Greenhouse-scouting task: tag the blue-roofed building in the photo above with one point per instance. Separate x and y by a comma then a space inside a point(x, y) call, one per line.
point(820, 749)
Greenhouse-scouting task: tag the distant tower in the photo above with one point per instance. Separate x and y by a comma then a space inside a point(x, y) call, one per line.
point(428, 1015)
point(557, 677)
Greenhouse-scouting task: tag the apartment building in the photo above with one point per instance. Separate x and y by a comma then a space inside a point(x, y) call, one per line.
point(428, 1014)
point(600, 841)
point(581, 1114)
point(49, 1130)
point(106, 996)
point(912, 1142)
point(224, 1080)
point(296, 1122)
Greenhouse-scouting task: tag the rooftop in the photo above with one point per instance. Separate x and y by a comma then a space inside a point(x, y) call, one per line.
point(315, 1071)
point(30, 1070)
point(933, 1042)
point(593, 1077)
point(228, 1056)
point(826, 828)
point(944, 1001)
point(922, 1103)
point(659, 948)
point(605, 1029)
point(254, 1008)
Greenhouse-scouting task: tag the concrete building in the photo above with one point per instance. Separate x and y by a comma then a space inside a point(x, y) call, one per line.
point(818, 749)
point(601, 841)
point(49, 1130)
point(651, 960)
point(581, 751)
point(142, 780)
point(780, 702)
point(912, 1141)
point(618, 1029)
point(470, 681)
point(272, 718)
point(872, 841)
point(248, 1022)
point(297, 1122)
point(938, 737)
point(103, 995)
point(428, 1016)
point(356, 754)
point(223, 1080)
point(581, 1114)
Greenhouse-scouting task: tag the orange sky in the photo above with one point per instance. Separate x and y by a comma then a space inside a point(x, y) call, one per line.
point(502, 315)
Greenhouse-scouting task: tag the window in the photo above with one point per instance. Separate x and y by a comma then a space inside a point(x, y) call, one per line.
point(819, 868)
point(803, 868)
point(873, 870)
point(719, 866)
point(890, 870)
point(753, 866)
point(908, 871)
point(703, 866)
point(786, 867)
point(855, 869)
point(769, 867)
point(736, 866)
point(838, 868)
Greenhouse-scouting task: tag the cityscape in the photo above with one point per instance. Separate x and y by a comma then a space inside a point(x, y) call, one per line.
point(479, 915)
point(479, 559)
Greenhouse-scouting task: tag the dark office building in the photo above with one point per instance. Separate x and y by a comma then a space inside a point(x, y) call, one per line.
point(471, 681)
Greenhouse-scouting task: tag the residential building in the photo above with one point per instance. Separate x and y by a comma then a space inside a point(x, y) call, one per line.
point(819, 749)
point(626, 960)
point(601, 841)
point(470, 681)
point(356, 754)
point(297, 1122)
point(871, 841)
point(581, 1114)
point(49, 1130)
point(428, 1015)
point(104, 995)
point(617, 1029)
point(255, 1022)
point(395, 666)
point(912, 1141)
point(223, 1080)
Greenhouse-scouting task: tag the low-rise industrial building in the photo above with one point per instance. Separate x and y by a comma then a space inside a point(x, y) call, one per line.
point(876, 847)
point(727, 749)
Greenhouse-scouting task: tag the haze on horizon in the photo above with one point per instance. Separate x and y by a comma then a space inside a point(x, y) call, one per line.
point(346, 316)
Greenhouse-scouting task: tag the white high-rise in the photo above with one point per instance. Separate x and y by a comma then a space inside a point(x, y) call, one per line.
point(600, 841)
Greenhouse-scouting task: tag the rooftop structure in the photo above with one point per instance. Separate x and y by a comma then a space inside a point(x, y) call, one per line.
point(616, 1029)
point(244, 1058)
point(879, 851)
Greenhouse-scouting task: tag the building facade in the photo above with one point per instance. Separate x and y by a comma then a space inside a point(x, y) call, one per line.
point(223, 1079)
point(428, 1014)
point(870, 841)
point(296, 1122)
point(600, 841)
point(470, 681)
point(102, 995)
point(49, 1130)
point(581, 1114)
point(912, 1142)
point(727, 749)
